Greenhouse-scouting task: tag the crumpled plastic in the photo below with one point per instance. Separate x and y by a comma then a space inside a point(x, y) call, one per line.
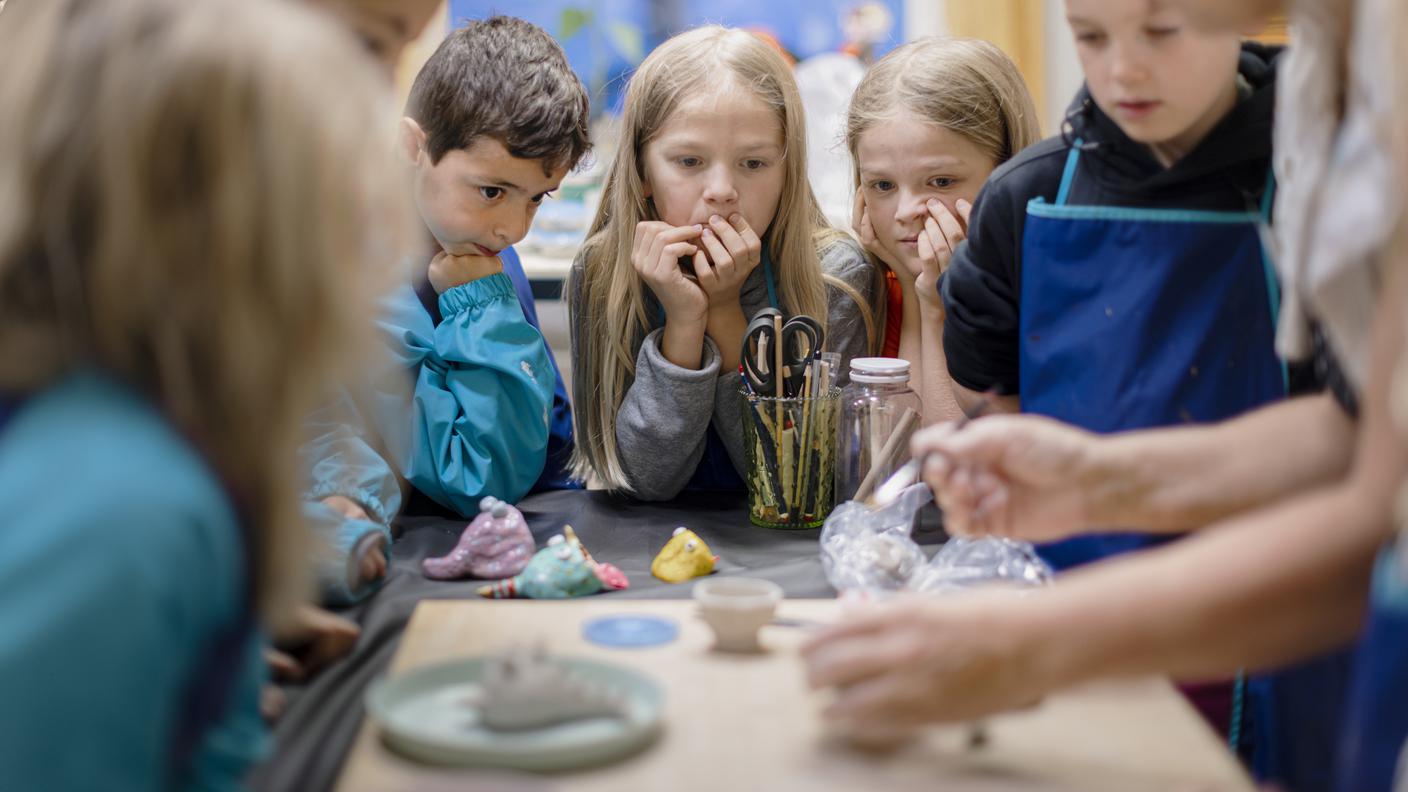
point(963, 563)
point(872, 552)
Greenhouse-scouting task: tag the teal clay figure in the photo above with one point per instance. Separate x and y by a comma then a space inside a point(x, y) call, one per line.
point(562, 570)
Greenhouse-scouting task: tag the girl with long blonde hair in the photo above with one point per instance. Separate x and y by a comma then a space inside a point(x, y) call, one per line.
point(926, 127)
point(184, 265)
point(707, 218)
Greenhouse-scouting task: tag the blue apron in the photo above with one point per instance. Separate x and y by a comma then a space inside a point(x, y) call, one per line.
point(1134, 318)
point(1376, 719)
point(715, 470)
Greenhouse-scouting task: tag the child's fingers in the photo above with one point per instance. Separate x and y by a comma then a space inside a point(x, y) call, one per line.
point(751, 242)
point(666, 239)
point(706, 274)
point(867, 230)
point(935, 230)
point(964, 210)
point(646, 232)
point(282, 666)
point(937, 237)
point(926, 250)
point(948, 223)
point(732, 241)
point(943, 251)
point(670, 257)
point(715, 248)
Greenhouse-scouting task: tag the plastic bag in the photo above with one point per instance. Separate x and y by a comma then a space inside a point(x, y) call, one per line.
point(963, 563)
point(871, 551)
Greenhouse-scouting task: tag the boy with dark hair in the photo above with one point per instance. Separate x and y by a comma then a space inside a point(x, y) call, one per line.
point(494, 121)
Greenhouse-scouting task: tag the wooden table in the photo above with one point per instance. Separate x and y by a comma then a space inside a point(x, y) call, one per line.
point(749, 723)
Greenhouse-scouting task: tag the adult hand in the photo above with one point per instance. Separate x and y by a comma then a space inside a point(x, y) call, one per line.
point(916, 661)
point(1019, 476)
point(655, 257)
point(448, 271)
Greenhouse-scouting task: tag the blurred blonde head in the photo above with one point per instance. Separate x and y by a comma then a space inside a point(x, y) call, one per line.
point(187, 192)
point(968, 86)
point(612, 294)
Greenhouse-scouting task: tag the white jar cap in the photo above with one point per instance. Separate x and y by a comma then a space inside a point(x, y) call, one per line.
point(879, 369)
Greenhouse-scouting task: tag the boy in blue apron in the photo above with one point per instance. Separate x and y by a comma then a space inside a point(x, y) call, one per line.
point(1113, 276)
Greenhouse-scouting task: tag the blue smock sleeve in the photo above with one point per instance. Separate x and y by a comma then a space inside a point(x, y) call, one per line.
point(556, 470)
point(482, 400)
point(342, 461)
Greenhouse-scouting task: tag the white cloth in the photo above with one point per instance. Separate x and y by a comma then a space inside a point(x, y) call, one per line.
point(826, 83)
point(1337, 204)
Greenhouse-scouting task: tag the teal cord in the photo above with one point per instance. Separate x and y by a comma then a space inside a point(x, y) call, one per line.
point(1234, 731)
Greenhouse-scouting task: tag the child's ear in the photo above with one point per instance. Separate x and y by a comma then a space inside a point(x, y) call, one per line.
point(645, 187)
point(412, 140)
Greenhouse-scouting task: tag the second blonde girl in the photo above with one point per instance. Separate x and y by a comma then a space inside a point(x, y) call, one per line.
point(926, 127)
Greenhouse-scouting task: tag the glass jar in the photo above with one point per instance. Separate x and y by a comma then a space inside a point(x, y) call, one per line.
point(879, 414)
point(791, 472)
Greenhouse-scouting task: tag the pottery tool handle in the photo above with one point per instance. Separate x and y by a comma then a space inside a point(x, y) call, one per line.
point(889, 453)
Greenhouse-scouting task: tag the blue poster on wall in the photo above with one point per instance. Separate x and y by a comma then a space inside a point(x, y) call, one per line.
point(605, 39)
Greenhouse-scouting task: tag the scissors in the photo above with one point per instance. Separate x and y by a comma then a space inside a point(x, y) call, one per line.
point(775, 351)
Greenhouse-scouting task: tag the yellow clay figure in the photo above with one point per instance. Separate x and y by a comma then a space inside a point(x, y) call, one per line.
point(685, 556)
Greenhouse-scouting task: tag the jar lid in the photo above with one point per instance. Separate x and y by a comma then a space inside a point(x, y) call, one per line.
point(879, 369)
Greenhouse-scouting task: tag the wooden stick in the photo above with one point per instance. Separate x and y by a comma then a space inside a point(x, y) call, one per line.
point(777, 377)
point(889, 453)
point(800, 478)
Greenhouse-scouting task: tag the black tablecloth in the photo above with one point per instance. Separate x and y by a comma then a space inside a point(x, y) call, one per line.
point(322, 718)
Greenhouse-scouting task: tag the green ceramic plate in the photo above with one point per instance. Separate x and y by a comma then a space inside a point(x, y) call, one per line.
point(424, 714)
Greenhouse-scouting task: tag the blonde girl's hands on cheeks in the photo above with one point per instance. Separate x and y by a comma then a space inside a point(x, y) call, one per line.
point(733, 251)
point(1015, 476)
point(943, 230)
point(916, 661)
point(658, 248)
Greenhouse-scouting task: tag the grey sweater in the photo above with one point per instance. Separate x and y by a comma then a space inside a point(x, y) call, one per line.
point(662, 425)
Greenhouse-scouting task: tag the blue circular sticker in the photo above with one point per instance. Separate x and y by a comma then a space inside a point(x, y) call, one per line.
point(630, 632)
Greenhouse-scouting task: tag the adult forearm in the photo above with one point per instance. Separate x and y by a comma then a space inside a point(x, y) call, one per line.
point(1269, 589)
point(1183, 478)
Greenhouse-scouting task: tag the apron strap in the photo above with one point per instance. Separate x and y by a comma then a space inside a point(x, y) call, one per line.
point(767, 275)
point(1070, 173)
point(1268, 263)
point(1268, 195)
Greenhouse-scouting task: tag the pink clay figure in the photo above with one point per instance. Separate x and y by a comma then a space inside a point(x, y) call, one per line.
point(496, 544)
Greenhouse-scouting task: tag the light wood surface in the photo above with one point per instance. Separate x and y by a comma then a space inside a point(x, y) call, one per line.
point(749, 723)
